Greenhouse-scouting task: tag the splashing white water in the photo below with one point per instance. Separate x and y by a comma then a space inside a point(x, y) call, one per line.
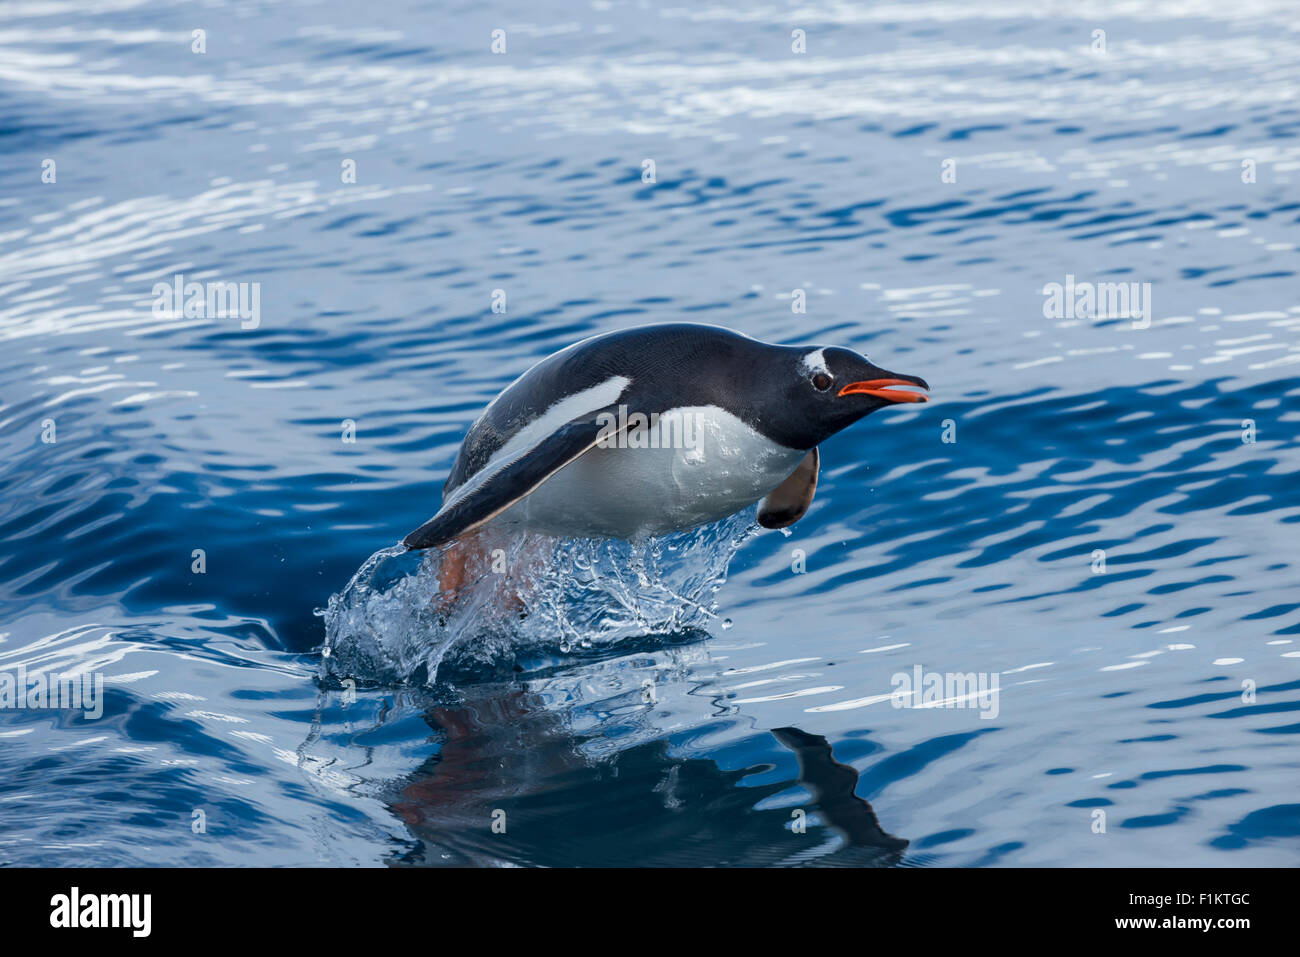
point(394, 623)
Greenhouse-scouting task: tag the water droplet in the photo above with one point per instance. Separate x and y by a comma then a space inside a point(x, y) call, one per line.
point(726, 623)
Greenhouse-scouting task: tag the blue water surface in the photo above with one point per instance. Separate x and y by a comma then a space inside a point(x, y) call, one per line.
point(1147, 711)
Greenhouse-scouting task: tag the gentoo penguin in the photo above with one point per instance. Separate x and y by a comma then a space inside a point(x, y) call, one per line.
point(657, 429)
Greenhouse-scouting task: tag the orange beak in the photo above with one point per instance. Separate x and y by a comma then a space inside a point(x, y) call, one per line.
point(880, 389)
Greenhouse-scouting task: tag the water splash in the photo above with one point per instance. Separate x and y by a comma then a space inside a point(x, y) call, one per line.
point(395, 624)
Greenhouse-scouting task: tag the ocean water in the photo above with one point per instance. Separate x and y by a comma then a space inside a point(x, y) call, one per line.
point(1100, 513)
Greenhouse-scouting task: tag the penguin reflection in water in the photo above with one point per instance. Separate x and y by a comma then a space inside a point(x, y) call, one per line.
point(565, 450)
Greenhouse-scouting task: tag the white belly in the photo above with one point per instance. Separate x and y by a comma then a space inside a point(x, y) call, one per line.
point(629, 492)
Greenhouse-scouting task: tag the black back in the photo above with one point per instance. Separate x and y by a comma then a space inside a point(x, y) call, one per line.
point(670, 365)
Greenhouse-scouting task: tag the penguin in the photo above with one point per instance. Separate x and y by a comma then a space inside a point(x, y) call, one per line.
point(657, 429)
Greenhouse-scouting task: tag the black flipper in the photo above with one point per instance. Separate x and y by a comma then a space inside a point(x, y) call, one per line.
point(788, 502)
point(485, 496)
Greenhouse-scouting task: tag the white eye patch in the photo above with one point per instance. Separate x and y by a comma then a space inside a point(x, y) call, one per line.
point(815, 362)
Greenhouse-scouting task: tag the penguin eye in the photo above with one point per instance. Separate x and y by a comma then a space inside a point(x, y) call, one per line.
point(822, 381)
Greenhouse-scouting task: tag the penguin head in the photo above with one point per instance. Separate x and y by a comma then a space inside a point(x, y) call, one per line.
point(828, 389)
